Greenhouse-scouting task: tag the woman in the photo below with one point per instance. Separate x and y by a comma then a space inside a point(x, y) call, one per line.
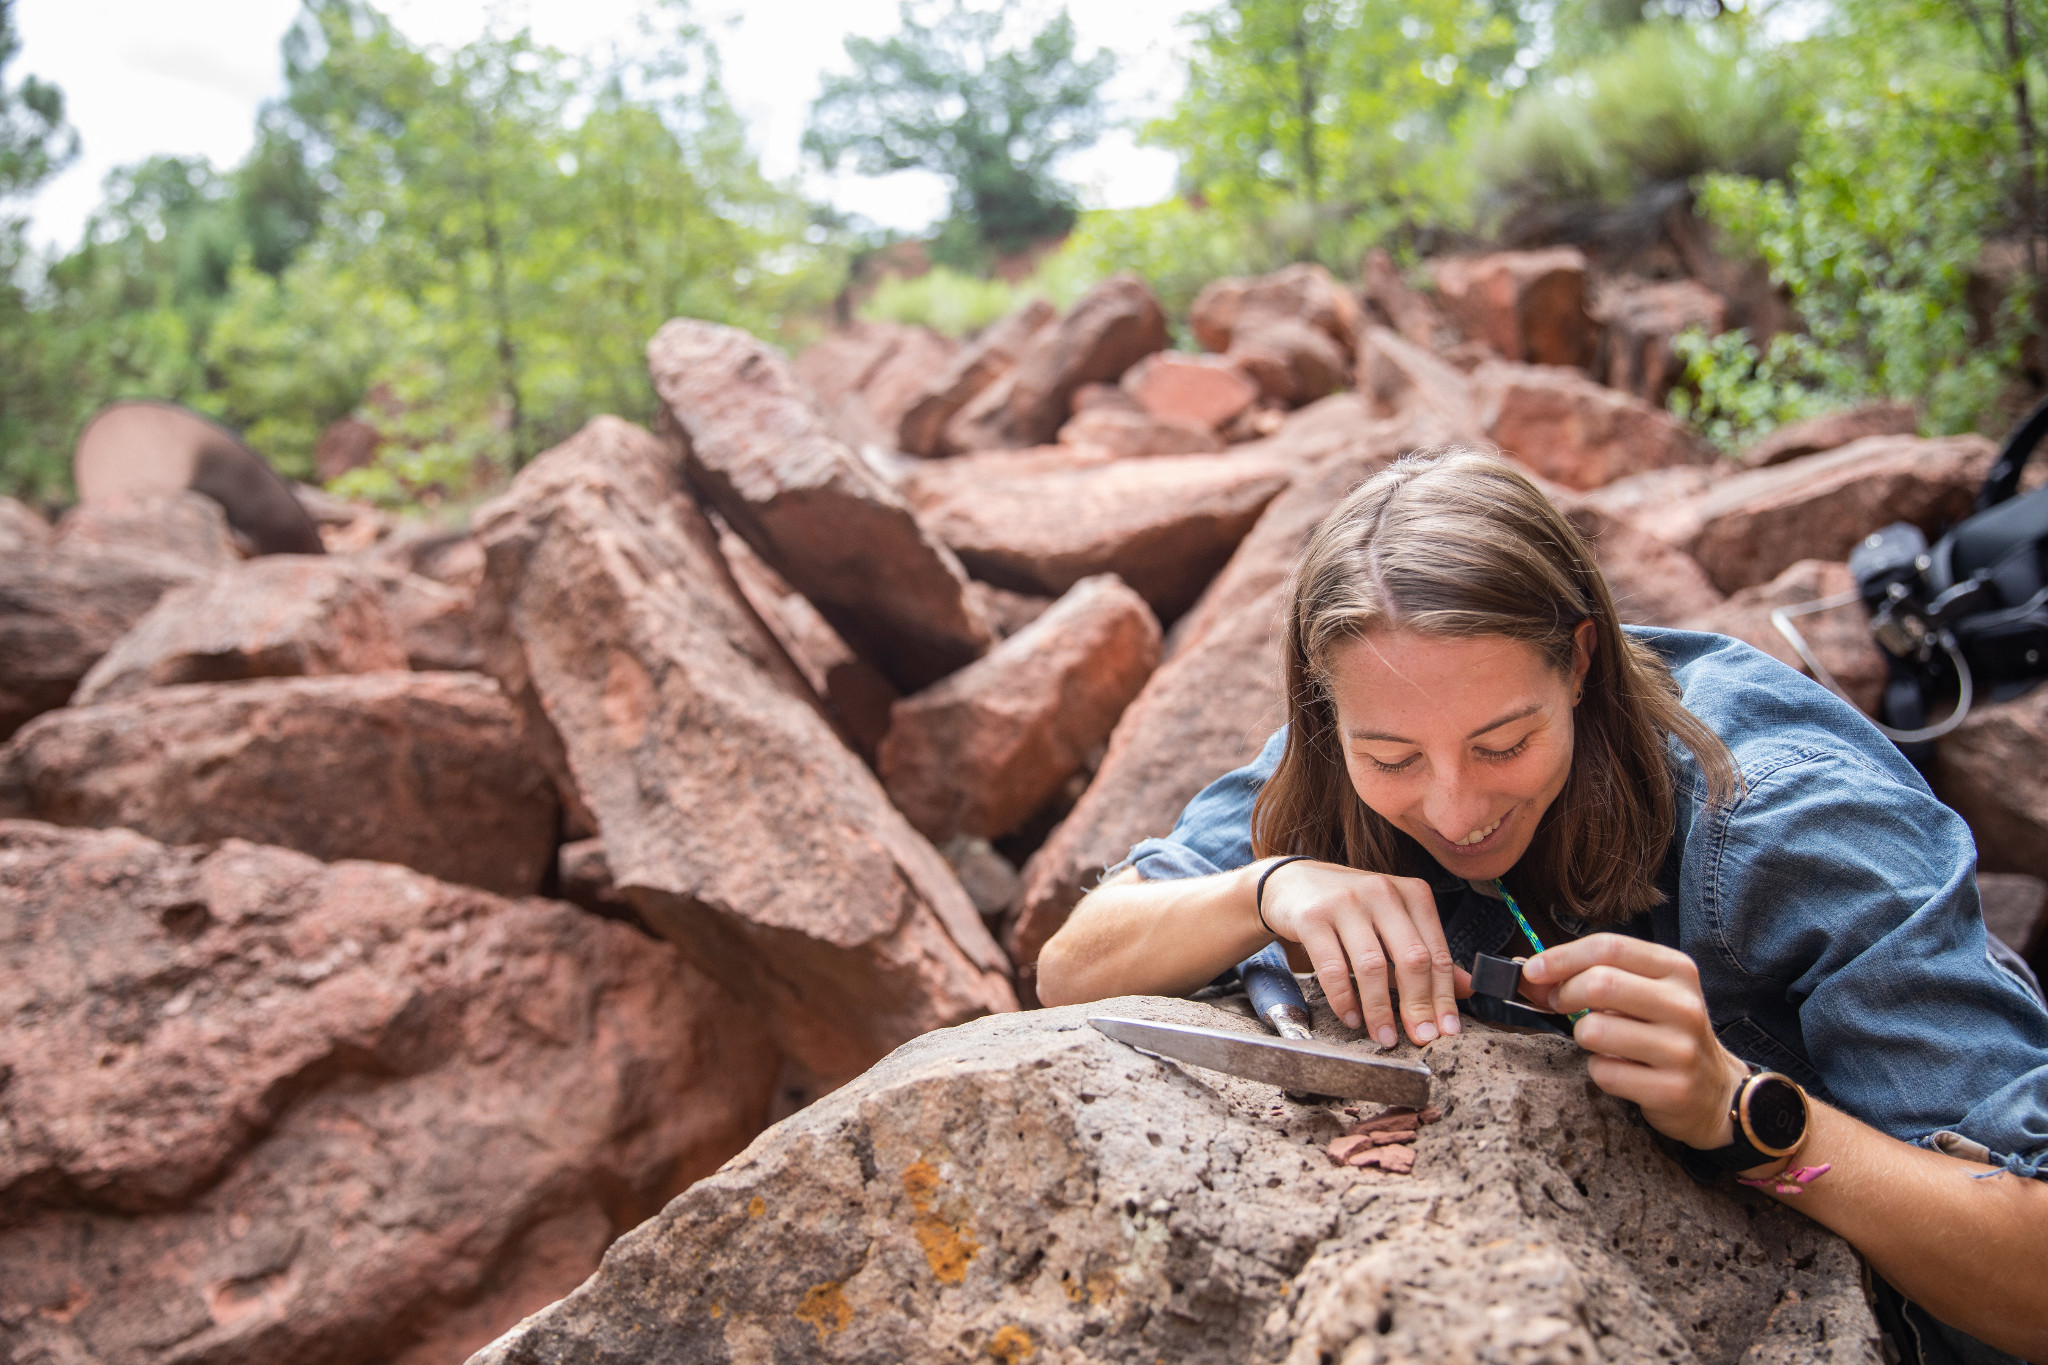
point(1733, 872)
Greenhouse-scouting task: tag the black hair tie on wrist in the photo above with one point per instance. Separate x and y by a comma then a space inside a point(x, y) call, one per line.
point(1259, 891)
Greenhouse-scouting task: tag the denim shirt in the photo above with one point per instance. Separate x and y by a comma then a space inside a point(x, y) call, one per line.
point(1832, 910)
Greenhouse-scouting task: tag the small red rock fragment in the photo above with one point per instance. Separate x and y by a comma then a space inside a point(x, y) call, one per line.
point(1386, 1120)
point(1397, 1159)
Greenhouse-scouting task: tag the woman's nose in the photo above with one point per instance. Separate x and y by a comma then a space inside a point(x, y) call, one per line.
point(1454, 809)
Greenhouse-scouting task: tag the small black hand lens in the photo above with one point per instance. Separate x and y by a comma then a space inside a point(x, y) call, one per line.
point(1496, 981)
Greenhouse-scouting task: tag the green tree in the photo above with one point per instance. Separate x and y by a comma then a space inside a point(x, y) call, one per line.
point(506, 228)
point(35, 143)
point(1909, 232)
point(1338, 121)
point(954, 92)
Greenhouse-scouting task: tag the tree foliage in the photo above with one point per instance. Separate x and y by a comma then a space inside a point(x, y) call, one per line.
point(469, 248)
point(1909, 232)
point(958, 92)
point(1336, 122)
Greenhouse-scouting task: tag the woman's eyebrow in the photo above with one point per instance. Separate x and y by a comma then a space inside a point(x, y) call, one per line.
point(1385, 738)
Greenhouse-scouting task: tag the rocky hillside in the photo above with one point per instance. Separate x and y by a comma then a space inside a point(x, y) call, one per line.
point(385, 932)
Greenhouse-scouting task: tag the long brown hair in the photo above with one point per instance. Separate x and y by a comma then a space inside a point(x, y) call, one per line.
point(1455, 543)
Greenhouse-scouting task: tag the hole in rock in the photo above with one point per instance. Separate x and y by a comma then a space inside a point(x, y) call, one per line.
point(186, 920)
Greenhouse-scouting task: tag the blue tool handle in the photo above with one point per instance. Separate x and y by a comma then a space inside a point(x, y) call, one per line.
point(1276, 996)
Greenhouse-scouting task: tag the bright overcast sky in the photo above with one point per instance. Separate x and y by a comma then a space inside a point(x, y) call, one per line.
point(142, 77)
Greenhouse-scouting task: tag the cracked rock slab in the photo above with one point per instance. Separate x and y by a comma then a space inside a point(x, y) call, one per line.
point(1023, 1188)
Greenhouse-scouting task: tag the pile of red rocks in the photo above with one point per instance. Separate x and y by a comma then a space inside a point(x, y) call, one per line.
point(389, 929)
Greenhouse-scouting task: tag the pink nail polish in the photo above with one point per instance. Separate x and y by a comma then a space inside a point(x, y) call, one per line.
point(1425, 1032)
point(1387, 1037)
point(1451, 1024)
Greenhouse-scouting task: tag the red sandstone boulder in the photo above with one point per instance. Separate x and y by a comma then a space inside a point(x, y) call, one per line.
point(1397, 376)
point(1393, 302)
point(1576, 432)
point(1164, 525)
point(1111, 328)
point(436, 623)
point(1129, 435)
point(424, 769)
point(1527, 305)
point(978, 753)
point(260, 1109)
point(922, 428)
point(188, 526)
point(61, 608)
point(350, 443)
point(810, 507)
point(1290, 332)
point(1840, 639)
point(853, 693)
point(864, 378)
point(1831, 431)
point(281, 616)
point(1304, 292)
point(1636, 353)
point(1195, 390)
point(1207, 709)
point(1753, 526)
point(1654, 583)
point(22, 527)
point(1990, 771)
point(1009, 612)
point(732, 816)
point(344, 527)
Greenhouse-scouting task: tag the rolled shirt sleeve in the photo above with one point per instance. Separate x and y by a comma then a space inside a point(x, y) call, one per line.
point(1214, 833)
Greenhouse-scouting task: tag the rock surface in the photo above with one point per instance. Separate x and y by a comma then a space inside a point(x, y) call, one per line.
point(281, 616)
point(1636, 351)
point(188, 526)
point(1654, 583)
point(424, 769)
point(1164, 524)
point(435, 621)
point(61, 608)
point(1290, 332)
point(1200, 390)
point(974, 368)
point(1133, 435)
point(1755, 525)
point(263, 1109)
point(731, 815)
point(1111, 328)
point(1023, 1188)
point(1526, 305)
point(1396, 376)
point(979, 752)
point(1990, 771)
point(21, 526)
point(1831, 431)
point(1577, 432)
point(1840, 639)
point(810, 507)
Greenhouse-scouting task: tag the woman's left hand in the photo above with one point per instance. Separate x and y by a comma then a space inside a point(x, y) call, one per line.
point(1652, 1039)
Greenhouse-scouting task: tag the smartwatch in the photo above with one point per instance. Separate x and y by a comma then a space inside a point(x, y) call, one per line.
point(1769, 1114)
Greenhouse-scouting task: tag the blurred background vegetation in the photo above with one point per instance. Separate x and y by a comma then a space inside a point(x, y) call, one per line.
point(469, 248)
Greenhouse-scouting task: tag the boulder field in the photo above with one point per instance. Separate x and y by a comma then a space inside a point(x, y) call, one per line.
point(657, 858)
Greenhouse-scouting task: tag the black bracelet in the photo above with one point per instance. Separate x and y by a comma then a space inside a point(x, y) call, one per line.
point(1259, 891)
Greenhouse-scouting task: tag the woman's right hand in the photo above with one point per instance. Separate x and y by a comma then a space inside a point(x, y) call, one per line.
point(1357, 927)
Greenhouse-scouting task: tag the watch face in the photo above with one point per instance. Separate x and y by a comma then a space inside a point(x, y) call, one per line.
point(1776, 1114)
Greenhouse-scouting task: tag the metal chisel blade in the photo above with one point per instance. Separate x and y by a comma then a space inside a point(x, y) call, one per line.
point(1311, 1066)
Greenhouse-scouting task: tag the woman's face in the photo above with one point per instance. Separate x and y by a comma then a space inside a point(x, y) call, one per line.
point(1462, 744)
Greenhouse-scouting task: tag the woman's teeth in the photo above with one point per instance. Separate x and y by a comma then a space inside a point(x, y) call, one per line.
point(1478, 835)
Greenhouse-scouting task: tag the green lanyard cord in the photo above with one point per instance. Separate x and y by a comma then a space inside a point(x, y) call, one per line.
point(1508, 898)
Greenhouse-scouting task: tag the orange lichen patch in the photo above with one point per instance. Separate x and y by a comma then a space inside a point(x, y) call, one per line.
point(947, 1245)
point(825, 1308)
point(1072, 1286)
point(717, 1309)
point(756, 1207)
point(1101, 1287)
point(1012, 1345)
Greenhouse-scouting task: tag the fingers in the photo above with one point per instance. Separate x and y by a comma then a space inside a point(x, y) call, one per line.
point(1332, 969)
point(1437, 1009)
point(1633, 1040)
point(1640, 956)
point(1670, 1000)
point(1369, 969)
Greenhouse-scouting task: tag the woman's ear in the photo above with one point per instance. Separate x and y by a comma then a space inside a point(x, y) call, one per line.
point(1585, 639)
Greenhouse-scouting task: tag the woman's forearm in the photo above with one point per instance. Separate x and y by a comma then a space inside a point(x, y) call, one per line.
point(1134, 937)
point(1969, 1251)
